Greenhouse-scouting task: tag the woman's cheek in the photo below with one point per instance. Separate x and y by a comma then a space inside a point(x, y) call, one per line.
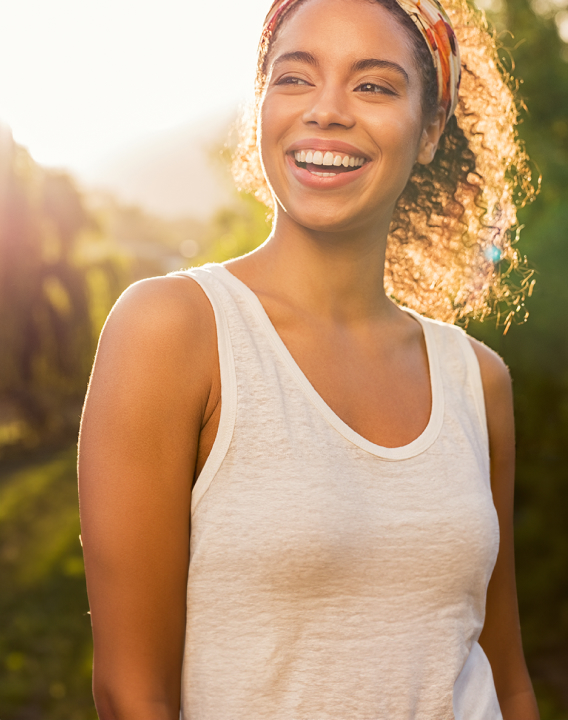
point(272, 126)
point(398, 135)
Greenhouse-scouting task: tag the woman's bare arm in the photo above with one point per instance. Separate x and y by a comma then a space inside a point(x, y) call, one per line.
point(151, 391)
point(501, 636)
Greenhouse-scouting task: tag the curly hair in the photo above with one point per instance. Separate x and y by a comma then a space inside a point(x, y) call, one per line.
point(451, 250)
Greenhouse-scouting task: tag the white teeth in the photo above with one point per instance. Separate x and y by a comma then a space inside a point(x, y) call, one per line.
point(318, 158)
point(324, 174)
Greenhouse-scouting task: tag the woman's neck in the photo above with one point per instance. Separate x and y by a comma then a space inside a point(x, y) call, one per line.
point(338, 276)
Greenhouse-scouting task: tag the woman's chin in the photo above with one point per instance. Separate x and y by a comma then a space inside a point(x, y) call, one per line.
point(331, 217)
point(316, 221)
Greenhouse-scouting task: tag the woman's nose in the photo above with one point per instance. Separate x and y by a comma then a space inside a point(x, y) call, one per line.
point(329, 107)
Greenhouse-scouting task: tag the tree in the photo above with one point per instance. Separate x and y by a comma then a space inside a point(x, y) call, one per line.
point(47, 337)
point(537, 351)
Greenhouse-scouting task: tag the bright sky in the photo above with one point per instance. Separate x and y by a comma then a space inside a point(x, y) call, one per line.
point(79, 78)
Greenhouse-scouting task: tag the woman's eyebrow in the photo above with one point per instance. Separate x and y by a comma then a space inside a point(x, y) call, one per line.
point(298, 56)
point(358, 66)
point(375, 64)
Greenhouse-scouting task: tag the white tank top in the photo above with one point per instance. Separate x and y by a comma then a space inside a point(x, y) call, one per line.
point(331, 578)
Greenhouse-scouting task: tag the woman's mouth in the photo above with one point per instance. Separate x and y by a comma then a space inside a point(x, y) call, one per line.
point(327, 164)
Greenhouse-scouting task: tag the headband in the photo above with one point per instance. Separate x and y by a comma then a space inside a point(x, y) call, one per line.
point(433, 24)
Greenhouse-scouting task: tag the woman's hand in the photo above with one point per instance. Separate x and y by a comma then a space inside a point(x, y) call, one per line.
point(153, 388)
point(501, 636)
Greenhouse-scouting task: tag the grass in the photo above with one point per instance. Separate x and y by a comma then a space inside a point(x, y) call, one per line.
point(45, 645)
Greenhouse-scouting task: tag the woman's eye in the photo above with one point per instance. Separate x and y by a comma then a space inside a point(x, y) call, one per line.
point(374, 89)
point(291, 81)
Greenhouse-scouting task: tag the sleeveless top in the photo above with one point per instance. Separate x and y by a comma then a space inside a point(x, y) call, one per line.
point(331, 578)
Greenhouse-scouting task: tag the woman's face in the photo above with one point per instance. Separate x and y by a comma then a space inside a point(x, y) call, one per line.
point(341, 120)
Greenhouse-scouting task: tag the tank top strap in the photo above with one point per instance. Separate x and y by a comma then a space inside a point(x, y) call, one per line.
point(461, 373)
point(475, 381)
point(219, 299)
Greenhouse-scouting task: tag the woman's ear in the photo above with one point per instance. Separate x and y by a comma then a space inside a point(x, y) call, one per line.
point(431, 137)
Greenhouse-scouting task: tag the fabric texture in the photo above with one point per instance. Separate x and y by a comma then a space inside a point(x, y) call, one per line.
point(434, 25)
point(331, 578)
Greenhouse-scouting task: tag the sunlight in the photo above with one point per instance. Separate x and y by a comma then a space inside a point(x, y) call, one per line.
point(82, 78)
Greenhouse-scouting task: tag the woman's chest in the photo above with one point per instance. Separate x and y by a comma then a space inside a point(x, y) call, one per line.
point(377, 382)
point(317, 524)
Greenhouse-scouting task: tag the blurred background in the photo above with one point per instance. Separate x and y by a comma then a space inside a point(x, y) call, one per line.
point(113, 119)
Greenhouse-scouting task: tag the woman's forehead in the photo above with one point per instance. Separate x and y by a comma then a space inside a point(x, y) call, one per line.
point(343, 29)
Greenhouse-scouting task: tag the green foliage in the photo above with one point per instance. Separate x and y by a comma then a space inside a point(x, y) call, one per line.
point(47, 336)
point(64, 260)
point(149, 245)
point(45, 646)
point(238, 230)
point(537, 354)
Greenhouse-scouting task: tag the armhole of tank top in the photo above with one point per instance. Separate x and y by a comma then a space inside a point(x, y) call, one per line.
point(476, 384)
point(228, 390)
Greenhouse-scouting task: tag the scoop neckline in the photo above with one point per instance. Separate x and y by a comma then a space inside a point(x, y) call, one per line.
point(402, 452)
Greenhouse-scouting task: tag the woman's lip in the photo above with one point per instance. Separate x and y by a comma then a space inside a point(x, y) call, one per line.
point(336, 146)
point(308, 179)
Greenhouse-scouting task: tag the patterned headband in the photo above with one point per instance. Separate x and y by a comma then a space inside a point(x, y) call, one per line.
point(433, 24)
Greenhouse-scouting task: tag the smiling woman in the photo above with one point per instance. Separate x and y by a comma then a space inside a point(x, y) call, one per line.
point(450, 253)
point(296, 490)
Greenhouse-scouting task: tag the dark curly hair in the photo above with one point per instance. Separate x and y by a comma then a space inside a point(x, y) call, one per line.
point(450, 252)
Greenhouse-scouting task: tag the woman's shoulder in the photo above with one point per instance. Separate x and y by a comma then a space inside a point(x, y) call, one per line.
point(161, 327)
point(164, 301)
point(494, 372)
point(498, 399)
point(168, 310)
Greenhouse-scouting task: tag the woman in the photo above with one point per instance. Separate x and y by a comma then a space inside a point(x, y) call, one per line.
point(348, 463)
